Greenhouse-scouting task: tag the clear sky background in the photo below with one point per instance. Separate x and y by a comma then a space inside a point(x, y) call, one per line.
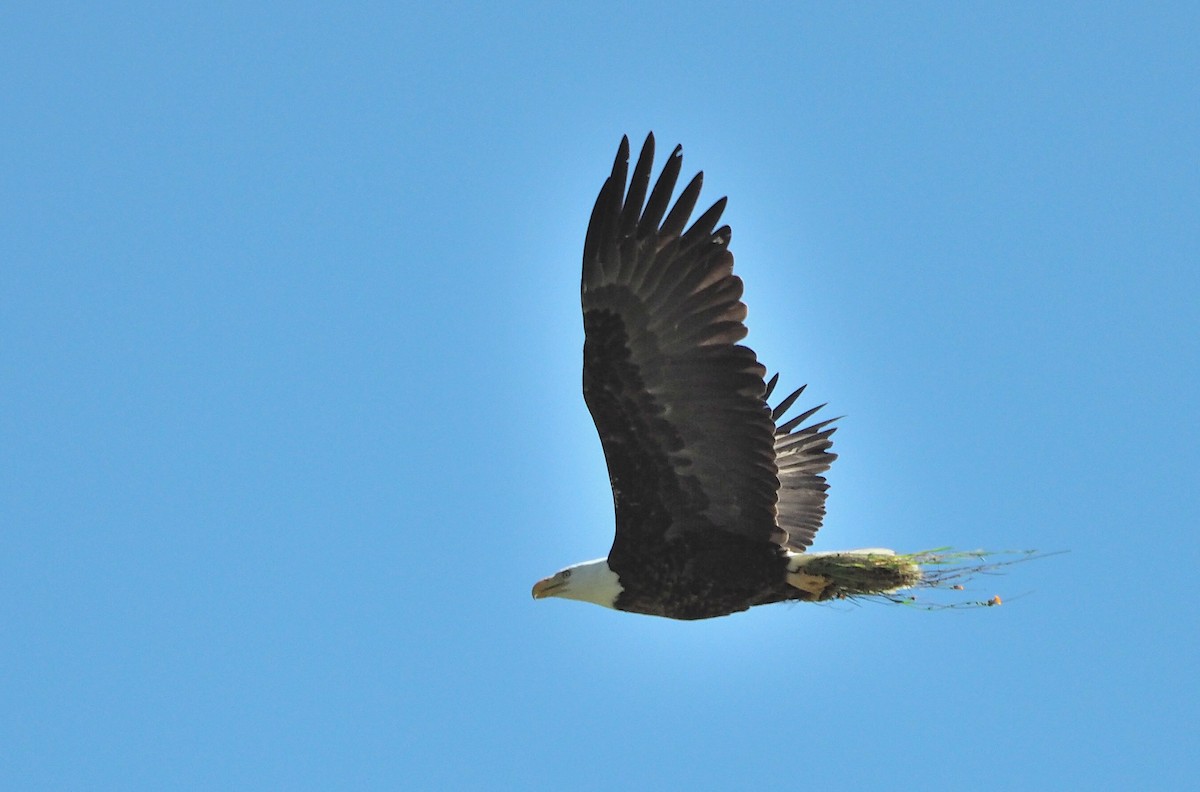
point(290, 391)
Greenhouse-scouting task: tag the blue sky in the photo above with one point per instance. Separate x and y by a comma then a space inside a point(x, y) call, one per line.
point(291, 413)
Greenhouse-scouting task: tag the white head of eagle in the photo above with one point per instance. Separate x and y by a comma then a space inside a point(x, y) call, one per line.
point(591, 581)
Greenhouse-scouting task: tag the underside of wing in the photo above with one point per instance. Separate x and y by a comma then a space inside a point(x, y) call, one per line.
point(678, 403)
point(802, 454)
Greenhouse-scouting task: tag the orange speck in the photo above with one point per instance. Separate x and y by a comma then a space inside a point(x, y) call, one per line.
point(995, 601)
point(957, 587)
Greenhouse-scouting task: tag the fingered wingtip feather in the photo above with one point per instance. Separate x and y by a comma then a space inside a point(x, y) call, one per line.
point(788, 401)
point(678, 216)
point(771, 388)
point(622, 158)
point(792, 423)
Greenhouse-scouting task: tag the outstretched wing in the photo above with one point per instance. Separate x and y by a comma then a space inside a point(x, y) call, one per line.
point(678, 403)
point(802, 455)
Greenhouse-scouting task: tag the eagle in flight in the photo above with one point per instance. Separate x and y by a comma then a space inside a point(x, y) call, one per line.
point(717, 493)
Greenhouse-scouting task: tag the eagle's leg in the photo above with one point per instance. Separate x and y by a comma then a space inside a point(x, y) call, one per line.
point(810, 584)
point(816, 586)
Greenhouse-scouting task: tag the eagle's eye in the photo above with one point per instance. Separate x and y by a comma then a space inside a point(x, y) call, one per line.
point(566, 573)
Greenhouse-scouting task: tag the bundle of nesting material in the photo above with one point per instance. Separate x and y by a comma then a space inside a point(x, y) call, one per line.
point(884, 574)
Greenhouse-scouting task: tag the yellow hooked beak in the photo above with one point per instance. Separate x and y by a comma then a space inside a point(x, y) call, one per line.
point(547, 587)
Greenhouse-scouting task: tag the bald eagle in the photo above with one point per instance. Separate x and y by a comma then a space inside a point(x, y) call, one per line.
point(717, 494)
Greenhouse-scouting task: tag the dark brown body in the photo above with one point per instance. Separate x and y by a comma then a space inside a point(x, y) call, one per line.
point(702, 576)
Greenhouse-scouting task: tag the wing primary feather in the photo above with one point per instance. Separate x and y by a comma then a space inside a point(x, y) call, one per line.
point(677, 218)
point(784, 405)
point(771, 388)
point(600, 246)
point(660, 196)
point(637, 187)
point(702, 229)
point(630, 213)
point(799, 419)
point(814, 429)
point(595, 236)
